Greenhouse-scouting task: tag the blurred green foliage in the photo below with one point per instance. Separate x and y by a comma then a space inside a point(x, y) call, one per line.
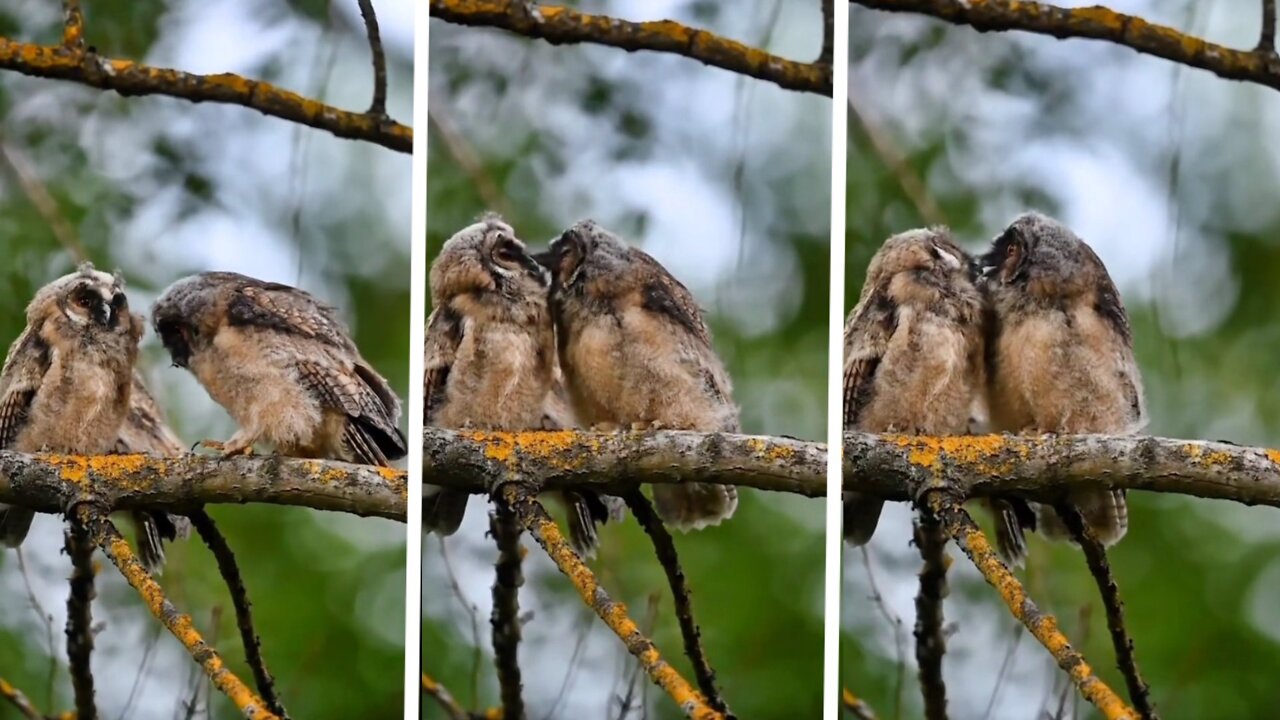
point(328, 590)
point(1199, 578)
point(557, 132)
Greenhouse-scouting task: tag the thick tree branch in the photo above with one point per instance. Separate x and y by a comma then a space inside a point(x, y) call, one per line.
point(505, 619)
point(129, 78)
point(226, 560)
point(535, 519)
point(478, 461)
point(561, 25)
point(1043, 627)
point(931, 643)
point(106, 536)
point(664, 547)
point(50, 483)
point(897, 467)
point(1096, 557)
point(80, 618)
point(1259, 66)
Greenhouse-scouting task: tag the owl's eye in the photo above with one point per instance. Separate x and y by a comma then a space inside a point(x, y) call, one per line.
point(507, 253)
point(84, 299)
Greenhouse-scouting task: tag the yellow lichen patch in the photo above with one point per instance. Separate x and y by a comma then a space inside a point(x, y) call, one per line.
point(1274, 456)
point(975, 451)
point(770, 451)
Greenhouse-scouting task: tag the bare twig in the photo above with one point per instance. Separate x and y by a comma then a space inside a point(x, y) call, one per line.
point(899, 165)
point(473, 613)
point(226, 560)
point(379, 105)
point(80, 618)
point(1096, 557)
point(664, 548)
point(505, 619)
point(445, 699)
point(896, 623)
point(1258, 66)
point(931, 643)
point(106, 536)
point(46, 619)
point(857, 706)
point(468, 160)
point(1267, 37)
point(561, 25)
point(828, 32)
point(1043, 626)
point(614, 614)
point(43, 201)
point(19, 701)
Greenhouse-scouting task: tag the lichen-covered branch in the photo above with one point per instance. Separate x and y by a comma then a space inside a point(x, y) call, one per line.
point(230, 571)
point(563, 25)
point(1259, 66)
point(441, 694)
point(106, 536)
point(535, 519)
point(1044, 627)
point(19, 701)
point(505, 619)
point(1099, 566)
point(80, 618)
point(897, 467)
point(931, 643)
point(73, 62)
point(615, 462)
point(51, 483)
point(856, 706)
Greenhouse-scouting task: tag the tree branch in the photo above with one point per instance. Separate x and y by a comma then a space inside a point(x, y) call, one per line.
point(931, 643)
point(505, 620)
point(452, 708)
point(1267, 37)
point(19, 701)
point(1259, 66)
point(897, 467)
point(72, 26)
point(1096, 557)
point(80, 618)
point(379, 105)
point(857, 706)
point(1043, 627)
point(129, 78)
point(828, 33)
point(50, 483)
point(226, 560)
point(665, 549)
point(535, 519)
point(105, 536)
point(561, 25)
point(477, 461)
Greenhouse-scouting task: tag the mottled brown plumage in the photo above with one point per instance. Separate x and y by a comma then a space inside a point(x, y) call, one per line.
point(636, 353)
point(67, 379)
point(283, 365)
point(913, 350)
point(491, 359)
point(145, 431)
point(1060, 355)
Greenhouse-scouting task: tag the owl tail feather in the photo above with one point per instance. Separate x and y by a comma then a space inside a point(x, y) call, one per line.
point(587, 511)
point(442, 511)
point(1106, 512)
point(693, 506)
point(861, 515)
point(1013, 518)
point(14, 524)
point(150, 542)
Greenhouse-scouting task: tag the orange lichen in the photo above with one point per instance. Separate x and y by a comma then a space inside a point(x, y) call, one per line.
point(77, 469)
point(1274, 456)
point(977, 452)
point(770, 451)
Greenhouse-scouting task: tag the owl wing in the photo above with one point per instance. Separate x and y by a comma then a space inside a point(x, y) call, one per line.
point(287, 310)
point(372, 408)
point(145, 429)
point(1109, 307)
point(666, 296)
point(866, 337)
point(24, 368)
point(444, 335)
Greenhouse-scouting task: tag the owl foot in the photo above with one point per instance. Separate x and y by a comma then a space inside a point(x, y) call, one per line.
point(606, 427)
point(227, 449)
point(645, 426)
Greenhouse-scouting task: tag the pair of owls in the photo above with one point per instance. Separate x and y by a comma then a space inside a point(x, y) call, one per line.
point(275, 358)
point(591, 332)
point(1035, 334)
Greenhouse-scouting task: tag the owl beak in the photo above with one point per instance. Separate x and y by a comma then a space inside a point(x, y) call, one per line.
point(105, 314)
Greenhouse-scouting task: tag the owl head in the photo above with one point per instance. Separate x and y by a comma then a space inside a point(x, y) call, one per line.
point(86, 301)
point(486, 258)
point(1039, 256)
point(584, 253)
point(187, 313)
point(921, 261)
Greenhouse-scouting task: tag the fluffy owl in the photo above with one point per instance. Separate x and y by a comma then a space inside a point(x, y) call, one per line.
point(283, 365)
point(66, 382)
point(913, 350)
point(1059, 356)
point(491, 359)
point(636, 353)
point(145, 431)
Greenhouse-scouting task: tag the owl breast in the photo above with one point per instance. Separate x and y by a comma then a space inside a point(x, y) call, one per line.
point(500, 378)
point(79, 407)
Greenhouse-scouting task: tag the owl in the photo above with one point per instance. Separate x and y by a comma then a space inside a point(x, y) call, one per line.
point(67, 379)
point(283, 366)
point(636, 353)
point(145, 431)
point(913, 350)
point(1059, 356)
point(491, 359)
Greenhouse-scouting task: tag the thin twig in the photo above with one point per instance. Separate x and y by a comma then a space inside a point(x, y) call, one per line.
point(43, 201)
point(665, 549)
point(472, 611)
point(72, 26)
point(828, 33)
point(1096, 557)
point(442, 696)
point(468, 160)
point(505, 620)
point(1043, 627)
point(106, 536)
point(899, 165)
point(226, 559)
point(931, 643)
point(1267, 37)
point(47, 619)
point(896, 623)
point(856, 705)
point(17, 699)
point(80, 618)
point(1004, 668)
point(379, 104)
point(614, 614)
